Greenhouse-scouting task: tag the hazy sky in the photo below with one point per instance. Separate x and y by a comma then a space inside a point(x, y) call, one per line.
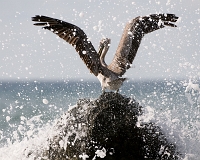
point(30, 53)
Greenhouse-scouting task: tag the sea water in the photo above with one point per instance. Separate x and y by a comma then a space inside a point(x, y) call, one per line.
point(29, 109)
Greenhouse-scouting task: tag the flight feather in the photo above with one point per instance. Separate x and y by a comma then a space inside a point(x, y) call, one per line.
point(74, 36)
point(132, 36)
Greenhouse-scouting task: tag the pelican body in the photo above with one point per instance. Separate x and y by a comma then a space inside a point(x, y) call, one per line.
point(110, 76)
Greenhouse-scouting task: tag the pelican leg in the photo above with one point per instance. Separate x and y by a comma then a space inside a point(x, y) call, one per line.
point(103, 90)
point(117, 91)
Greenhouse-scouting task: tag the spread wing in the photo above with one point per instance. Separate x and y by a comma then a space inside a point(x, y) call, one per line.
point(132, 36)
point(74, 36)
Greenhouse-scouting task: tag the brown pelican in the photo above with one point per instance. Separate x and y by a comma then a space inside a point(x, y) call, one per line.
point(110, 76)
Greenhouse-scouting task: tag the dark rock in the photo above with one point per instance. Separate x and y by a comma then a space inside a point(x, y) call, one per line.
point(107, 128)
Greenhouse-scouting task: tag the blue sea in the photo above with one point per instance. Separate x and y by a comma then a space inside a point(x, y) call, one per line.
point(27, 109)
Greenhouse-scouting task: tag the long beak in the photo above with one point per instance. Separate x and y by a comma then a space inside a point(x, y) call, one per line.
point(101, 47)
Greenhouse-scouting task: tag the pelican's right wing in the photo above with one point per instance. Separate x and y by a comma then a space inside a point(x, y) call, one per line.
point(132, 36)
point(74, 36)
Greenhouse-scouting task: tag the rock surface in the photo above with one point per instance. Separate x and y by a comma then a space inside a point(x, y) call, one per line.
point(107, 128)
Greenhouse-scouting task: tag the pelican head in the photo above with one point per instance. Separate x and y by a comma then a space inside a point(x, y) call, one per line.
point(103, 49)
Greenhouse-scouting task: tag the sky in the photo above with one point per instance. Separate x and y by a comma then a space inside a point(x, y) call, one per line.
point(31, 53)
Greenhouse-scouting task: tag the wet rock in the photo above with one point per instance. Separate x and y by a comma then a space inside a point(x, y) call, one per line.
point(107, 128)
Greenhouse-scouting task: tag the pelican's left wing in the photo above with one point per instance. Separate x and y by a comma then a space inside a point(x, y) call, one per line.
point(74, 36)
point(132, 36)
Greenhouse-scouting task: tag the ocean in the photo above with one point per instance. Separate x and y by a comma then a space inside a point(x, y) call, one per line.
point(28, 108)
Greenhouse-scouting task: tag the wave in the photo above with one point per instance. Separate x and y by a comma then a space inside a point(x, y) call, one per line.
point(179, 124)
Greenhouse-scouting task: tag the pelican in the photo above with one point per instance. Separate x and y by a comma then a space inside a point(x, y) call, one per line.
point(110, 76)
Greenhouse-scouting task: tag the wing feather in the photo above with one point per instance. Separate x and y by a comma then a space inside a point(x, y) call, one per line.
point(74, 36)
point(132, 36)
